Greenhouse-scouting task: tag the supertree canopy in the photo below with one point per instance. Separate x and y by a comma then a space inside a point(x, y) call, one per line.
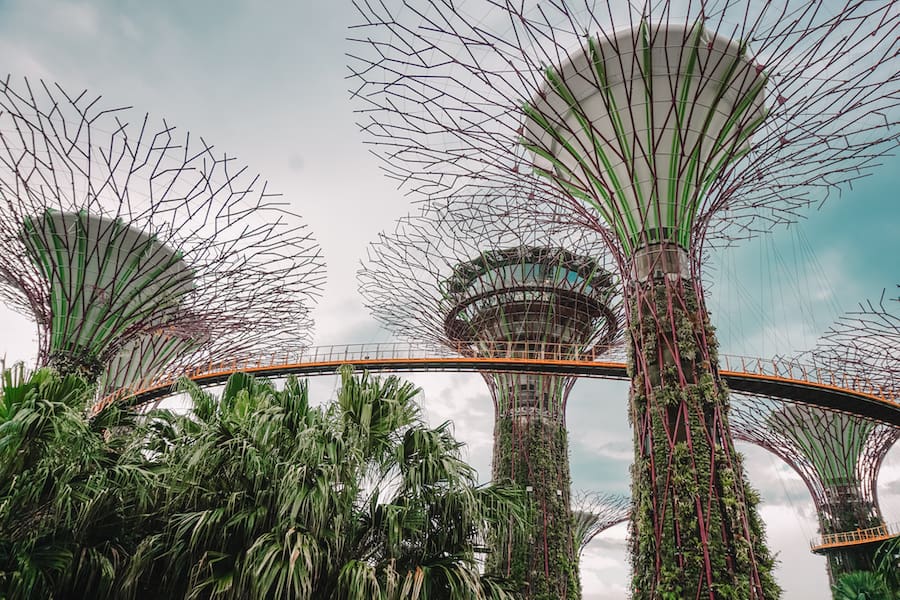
point(132, 245)
point(171, 351)
point(596, 512)
point(662, 126)
point(838, 457)
point(487, 284)
point(149, 355)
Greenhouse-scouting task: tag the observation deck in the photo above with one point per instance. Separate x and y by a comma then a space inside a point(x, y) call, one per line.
point(781, 379)
point(857, 537)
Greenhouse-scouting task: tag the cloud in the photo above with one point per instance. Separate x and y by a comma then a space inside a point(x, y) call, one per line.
point(603, 566)
point(266, 81)
point(73, 18)
point(801, 573)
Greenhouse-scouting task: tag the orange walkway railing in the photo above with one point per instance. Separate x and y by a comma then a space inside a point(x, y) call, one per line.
point(798, 371)
point(552, 356)
point(856, 537)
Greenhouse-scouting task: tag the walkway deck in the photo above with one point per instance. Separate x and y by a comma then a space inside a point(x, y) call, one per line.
point(777, 379)
point(855, 538)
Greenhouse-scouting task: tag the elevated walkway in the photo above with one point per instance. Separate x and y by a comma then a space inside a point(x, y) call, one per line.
point(781, 379)
point(858, 537)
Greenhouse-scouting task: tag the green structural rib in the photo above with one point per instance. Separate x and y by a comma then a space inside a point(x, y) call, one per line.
point(833, 442)
point(641, 124)
point(147, 357)
point(106, 279)
point(837, 455)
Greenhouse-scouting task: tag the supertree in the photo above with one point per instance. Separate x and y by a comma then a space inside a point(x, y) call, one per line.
point(132, 245)
point(149, 355)
point(484, 283)
point(171, 351)
point(596, 512)
point(837, 455)
point(665, 126)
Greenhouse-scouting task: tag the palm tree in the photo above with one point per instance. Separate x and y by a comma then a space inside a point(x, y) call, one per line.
point(71, 491)
point(861, 585)
point(887, 564)
point(269, 497)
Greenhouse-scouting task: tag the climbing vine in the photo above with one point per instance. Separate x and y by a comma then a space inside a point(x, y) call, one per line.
point(695, 530)
point(531, 451)
point(81, 363)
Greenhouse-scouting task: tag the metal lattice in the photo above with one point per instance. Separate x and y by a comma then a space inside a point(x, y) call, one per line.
point(866, 343)
point(482, 282)
point(133, 245)
point(837, 455)
point(596, 512)
point(663, 128)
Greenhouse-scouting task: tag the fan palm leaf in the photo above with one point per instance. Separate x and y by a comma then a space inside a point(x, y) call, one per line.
point(269, 497)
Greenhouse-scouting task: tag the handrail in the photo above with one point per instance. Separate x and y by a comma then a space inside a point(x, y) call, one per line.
point(809, 373)
point(856, 537)
point(363, 353)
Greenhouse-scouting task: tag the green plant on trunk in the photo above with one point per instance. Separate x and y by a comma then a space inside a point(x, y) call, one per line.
point(695, 530)
point(531, 452)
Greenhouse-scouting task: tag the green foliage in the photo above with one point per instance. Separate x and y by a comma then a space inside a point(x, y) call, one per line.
point(861, 585)
point(268, 497)
point(532, 453)
point(887, 563)
point(695, 530)
point(256, 494)
point(72, 491)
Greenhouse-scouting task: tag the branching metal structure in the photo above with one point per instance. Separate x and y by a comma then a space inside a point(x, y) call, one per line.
point(837, 455)
point(664, 127)
point(171, 352)
point(866, 343)
point(596, 512)
point(149, 355)
point(133, 246)
point(484, 283)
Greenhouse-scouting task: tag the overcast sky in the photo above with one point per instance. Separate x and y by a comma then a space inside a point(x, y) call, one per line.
point(266, 81)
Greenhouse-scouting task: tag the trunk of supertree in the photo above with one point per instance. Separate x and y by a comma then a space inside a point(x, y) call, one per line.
point(848, 511)
point(76, 363)
point(531, 451)
point(849, 559)
point(695, 531)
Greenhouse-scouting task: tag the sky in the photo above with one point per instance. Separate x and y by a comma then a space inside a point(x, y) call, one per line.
point(267, 81)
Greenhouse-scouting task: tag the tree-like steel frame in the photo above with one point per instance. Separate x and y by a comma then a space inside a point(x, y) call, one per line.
point(865, 342)
point(134, 246)
point(837, 455)
point(595, 512)
point(173, 350)
point(663, 129)
point(472, 277)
